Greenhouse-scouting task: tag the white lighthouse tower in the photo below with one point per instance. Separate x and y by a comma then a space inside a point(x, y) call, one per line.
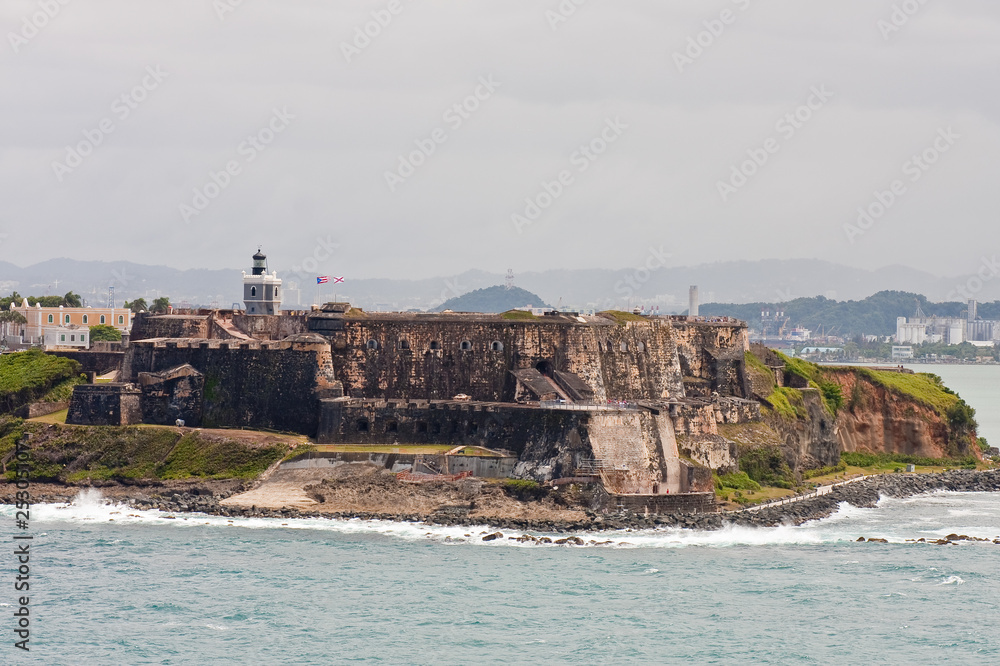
point(261, 292)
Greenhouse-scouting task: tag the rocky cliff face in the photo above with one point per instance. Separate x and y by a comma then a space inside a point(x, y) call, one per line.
point(847, 409)
point(875, 419)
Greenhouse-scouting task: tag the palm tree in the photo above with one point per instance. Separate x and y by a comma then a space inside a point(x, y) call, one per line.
point(8, 317)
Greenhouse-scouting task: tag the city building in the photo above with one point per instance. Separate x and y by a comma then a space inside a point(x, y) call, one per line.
point(39, 319)
point(901, 353)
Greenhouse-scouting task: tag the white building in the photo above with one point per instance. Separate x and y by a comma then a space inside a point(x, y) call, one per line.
point(69, 335)
point(261, 292)
point(901, 353)
point(914, 333)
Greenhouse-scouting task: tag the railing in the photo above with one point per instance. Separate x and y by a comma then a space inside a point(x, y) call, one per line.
point(609, 406)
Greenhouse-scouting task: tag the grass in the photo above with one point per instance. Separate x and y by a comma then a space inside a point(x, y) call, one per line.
point(28, 376)
point(81, 454)
point(518, 315)
point(621, 316)
point(193, 456)
point(923, 387)
point(787, 402)
point(378, 448)
point(63, 391)
point(54, 417)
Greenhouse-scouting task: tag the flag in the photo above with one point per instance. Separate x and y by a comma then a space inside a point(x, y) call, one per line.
point(322, 279)
point(337, 280)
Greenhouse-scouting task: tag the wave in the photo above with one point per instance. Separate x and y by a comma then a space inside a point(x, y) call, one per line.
point(893, 519)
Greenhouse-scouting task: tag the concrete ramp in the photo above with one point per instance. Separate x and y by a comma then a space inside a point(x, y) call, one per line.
point(539, 386)
point(574, 386)
point(226, 330)
point(284, 487)
point(638, 452)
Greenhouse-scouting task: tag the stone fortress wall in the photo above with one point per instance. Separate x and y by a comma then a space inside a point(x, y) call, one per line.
point(619, 388)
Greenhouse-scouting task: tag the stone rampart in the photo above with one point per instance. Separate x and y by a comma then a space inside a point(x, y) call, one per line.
point(105, 404)
point(252, 384)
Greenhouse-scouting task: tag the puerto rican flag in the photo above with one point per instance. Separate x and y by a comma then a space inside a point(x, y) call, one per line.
point(322, 279)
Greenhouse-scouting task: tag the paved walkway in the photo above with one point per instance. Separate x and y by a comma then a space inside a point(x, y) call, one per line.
point(821, 490)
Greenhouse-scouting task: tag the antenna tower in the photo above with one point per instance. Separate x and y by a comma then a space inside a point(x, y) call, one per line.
point(111, 296)
point(510, 279)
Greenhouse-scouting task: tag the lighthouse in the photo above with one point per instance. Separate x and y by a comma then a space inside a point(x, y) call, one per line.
point(261, 292)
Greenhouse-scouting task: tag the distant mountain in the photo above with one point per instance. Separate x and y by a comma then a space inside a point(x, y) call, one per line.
point(492, 299)
point(769, 281)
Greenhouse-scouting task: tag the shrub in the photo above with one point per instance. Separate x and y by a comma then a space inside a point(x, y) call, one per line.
point(833, 396)
point(767, 466)
point(863, 459)
point(961, 416)
point(736, 481)
point(523, 489)
point(823, 471)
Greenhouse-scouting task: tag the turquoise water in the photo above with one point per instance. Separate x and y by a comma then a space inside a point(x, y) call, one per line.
point(111, 585)
point(146, 589)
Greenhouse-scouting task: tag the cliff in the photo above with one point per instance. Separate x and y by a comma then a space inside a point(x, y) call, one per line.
point(815, 413)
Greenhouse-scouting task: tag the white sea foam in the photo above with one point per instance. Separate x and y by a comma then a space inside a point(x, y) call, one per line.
point(844, 525)
point(952, 580)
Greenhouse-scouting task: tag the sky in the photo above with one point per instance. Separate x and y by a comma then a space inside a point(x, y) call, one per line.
point(415, 138)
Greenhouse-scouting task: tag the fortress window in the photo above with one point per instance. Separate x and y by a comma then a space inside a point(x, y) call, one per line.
point(624, 346)
point(392, 426)
point(435, 344)
point(102, 318)
point(253, 291)
point(362, 425)
point(496, 346)
point(421, 426)
point(465, 345)
point(639, 346)
point(600, 347)
point(372, 344)
point(404, 344)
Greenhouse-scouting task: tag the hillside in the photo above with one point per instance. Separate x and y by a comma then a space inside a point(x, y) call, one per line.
point(767, 281)
point(875, 315)
point(492, 299)
point(32, 376)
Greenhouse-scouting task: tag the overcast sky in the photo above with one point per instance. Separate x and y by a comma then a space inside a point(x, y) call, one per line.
point(116, 114)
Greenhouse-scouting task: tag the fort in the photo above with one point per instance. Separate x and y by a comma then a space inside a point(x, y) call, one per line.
point(639, 404)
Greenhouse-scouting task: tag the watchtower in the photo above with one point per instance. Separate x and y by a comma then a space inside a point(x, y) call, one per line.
point(261, 292)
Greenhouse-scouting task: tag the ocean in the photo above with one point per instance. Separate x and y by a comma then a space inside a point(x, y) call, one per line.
point(110, 585)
